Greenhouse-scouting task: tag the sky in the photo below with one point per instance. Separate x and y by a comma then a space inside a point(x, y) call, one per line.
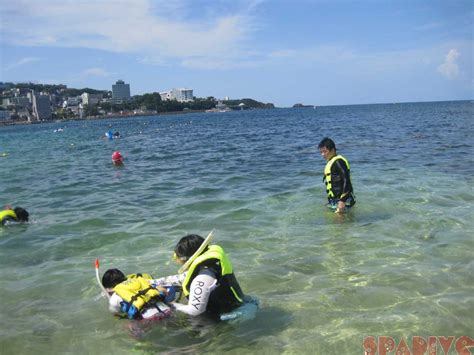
point(315, 52)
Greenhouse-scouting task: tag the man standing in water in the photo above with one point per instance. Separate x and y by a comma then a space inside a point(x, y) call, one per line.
point(337, 177)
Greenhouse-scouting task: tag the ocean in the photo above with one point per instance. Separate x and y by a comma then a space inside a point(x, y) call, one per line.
point(399, 265)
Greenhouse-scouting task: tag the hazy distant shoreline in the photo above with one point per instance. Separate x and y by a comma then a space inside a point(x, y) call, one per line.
point(96, 118)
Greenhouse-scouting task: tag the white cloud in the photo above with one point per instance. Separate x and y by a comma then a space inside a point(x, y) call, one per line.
point(22, 62)
point(450, 67)
point(151, 61)
point(156, 30)
point(97, 72)
point(429, 26)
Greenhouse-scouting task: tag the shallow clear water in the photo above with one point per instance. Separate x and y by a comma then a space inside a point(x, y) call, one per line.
point(399, 264)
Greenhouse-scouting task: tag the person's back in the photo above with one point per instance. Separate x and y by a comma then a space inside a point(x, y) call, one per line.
point(13, 216)
point(134, 296)
point(210, 284)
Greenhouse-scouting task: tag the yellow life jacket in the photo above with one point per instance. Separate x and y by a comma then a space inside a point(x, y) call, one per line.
point(327, 173)
point(7, 214)
point(228, 294)
point(137, 292)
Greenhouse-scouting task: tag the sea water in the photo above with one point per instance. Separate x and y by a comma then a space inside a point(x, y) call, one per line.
point(400, 264)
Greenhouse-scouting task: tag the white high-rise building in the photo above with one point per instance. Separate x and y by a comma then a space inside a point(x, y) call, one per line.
point(181, 95)
point(165, 95)
point(91, 99)
point(121, 91)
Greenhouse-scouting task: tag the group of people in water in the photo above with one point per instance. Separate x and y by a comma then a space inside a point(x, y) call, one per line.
point(206, 278)
point(207, 281)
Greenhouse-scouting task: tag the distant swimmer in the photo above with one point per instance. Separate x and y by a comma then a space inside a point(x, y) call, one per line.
point(336, 177)
point(13, 216)
point(117, 158)
point(111, 136)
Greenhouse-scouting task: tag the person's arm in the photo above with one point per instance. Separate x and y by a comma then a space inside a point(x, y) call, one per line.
point(172, 280)
point(340, 169)
point(114, 303)
point(201, 287)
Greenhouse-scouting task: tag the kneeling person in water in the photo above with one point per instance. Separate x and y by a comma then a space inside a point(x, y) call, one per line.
point(136, 296)
point(209, 284)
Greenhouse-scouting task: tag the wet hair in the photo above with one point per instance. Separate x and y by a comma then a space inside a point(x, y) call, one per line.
point(21, 214)
point(188, 245)
point(112, 278)
point(327, 143)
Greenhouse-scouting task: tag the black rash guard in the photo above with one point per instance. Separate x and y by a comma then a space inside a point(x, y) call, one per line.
point(341, 181)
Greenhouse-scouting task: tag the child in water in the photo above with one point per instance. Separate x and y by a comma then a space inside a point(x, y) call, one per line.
point(13, 216)
point(139, 296)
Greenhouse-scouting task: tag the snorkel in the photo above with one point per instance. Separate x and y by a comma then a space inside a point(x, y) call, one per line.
point(98, 278)
point(198, 252)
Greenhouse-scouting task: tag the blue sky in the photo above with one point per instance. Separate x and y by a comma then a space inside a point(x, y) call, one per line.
point(285, 52)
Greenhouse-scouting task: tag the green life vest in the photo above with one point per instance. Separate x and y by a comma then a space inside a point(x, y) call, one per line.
point(327, 173)
point(228, 293)
point(7, 214)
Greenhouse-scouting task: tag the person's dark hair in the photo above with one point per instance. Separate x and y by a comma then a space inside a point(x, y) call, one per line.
point(21, 214)
point(112, 278)
point(328, 143)
point(188, 245)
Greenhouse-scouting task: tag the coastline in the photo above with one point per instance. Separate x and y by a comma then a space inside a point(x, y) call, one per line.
point(97, 118)
point(115, 116)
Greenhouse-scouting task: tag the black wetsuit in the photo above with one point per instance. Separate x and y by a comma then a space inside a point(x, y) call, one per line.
point(341, 184)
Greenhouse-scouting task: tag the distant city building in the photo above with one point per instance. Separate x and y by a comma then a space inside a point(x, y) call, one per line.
point(73, 101)
point(181, 95)
point(22, 91)
point(220, 105)
point(165, 95)
point(55, 100)
point(20, 101)
point(121, 91)
point(41, 107)
point(24, 114)
point(91, 99)
point(4, 86)
point(5, 115)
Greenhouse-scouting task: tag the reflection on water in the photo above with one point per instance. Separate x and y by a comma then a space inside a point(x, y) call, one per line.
point(202, 334)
